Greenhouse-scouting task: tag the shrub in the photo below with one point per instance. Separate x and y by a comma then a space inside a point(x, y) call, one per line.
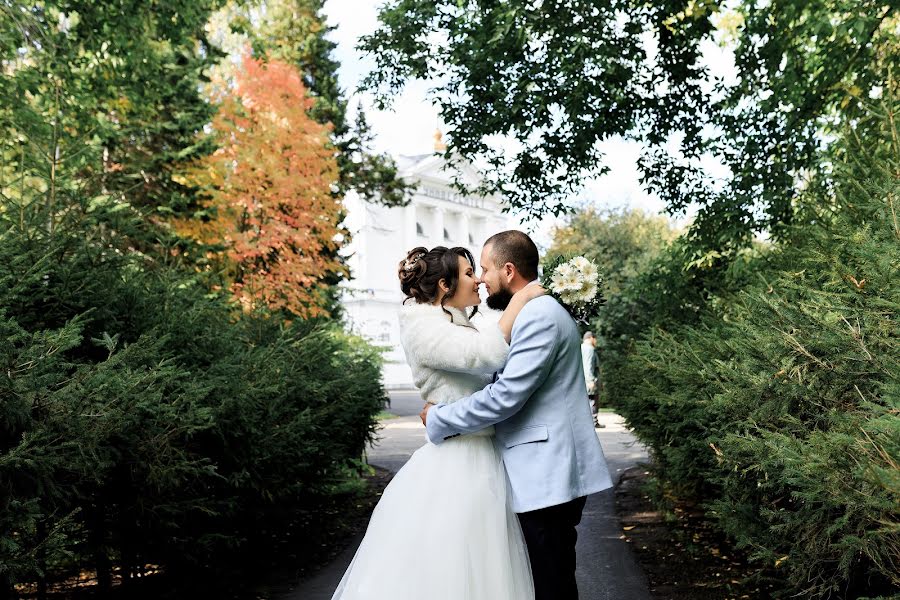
point(142, 420)
point(779, 407)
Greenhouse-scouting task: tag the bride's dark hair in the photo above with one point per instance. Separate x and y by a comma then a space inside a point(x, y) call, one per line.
point(422, 270)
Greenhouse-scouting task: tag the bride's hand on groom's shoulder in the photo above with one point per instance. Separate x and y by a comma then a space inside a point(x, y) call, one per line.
point(530, 292)
point(516, 304)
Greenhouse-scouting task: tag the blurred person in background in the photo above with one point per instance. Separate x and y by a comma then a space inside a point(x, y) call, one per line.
point(591, 370)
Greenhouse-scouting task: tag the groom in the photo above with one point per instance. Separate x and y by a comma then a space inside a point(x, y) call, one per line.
point(540, 411)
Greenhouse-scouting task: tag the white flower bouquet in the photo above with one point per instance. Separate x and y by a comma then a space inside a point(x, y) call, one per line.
point(575, 282)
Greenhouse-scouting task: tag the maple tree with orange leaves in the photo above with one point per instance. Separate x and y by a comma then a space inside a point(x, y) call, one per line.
point(269, 193)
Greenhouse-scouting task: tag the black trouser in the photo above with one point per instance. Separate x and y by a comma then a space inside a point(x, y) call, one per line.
point(550, 535)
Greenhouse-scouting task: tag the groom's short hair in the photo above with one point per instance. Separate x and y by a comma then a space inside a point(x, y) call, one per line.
point(515, 247)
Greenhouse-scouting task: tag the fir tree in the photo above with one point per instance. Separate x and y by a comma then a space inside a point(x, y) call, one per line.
point(778, 409)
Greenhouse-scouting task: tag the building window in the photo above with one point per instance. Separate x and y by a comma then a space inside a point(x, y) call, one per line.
point(419, 229)
point(446, 235)
point(385, 334)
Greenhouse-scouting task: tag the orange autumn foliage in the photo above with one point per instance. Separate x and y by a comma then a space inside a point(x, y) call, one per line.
point(269, 193)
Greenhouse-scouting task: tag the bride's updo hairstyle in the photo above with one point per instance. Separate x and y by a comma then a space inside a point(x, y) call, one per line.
point(422, 270)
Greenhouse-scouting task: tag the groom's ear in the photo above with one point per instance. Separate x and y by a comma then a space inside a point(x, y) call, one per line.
point(509, 270)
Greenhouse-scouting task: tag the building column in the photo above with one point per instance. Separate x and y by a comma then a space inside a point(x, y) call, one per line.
point(408, 233)
point(439, 226)
point(464, 230)
point(476, 227)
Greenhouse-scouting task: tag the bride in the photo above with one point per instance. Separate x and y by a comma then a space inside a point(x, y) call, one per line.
point(443, 529)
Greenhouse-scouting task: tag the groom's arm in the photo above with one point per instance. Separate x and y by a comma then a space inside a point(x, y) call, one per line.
point(531, 356)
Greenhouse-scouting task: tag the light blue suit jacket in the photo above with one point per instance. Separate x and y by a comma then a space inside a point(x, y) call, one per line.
point(539, 406)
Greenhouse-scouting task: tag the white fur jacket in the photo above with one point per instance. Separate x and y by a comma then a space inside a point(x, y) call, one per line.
point(449, 360)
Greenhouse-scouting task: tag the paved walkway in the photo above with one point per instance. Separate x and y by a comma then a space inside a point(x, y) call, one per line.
point(606, 568)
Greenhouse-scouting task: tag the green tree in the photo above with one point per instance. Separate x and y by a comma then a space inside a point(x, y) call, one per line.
point(620, 241)
point(777, 406)
point(99, 103)
point(639, 258)
point(560, 77)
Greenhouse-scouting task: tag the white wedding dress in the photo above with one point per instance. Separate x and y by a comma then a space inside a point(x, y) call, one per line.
point(443, 529)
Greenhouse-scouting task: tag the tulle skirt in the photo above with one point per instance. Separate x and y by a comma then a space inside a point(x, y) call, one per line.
point(443, 530)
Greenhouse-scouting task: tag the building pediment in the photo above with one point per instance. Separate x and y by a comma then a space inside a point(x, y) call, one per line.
point(435, 167)
point(436, 178)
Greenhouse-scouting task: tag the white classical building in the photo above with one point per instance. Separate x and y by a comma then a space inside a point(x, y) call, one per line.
point(438, 215)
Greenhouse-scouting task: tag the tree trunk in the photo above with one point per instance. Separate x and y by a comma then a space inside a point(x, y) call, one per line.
point(101, 557)
point(42, 560)
point(7, 591)
point(129, 566)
